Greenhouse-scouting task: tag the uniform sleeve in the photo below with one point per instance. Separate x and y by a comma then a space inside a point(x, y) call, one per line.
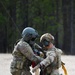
point(49, 59)
point(59, 51)
point(27, 51)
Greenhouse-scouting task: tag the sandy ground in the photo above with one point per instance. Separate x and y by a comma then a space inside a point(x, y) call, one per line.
point(5, 60)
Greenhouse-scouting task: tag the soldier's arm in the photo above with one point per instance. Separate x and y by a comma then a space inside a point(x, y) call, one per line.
point(49, 59)
point(27, 51)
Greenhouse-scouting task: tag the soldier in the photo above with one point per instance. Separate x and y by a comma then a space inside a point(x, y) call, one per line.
point(51, 64)
point(23, 53)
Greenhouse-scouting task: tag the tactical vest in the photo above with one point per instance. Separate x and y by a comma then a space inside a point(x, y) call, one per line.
point(57, 61)
point(58, 53)
point(19, 60)
point(56, 64)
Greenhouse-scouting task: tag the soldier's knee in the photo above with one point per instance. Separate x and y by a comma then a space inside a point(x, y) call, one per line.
point(16, 72)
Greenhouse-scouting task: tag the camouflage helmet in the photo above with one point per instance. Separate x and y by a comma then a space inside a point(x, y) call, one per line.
point(46, 38)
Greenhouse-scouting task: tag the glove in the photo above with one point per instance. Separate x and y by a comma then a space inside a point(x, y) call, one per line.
point(33, 64)
point(42, 67)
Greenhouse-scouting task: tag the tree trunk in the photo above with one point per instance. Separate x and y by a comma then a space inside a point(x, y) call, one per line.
point(24, 4)
point(12, 24)
point(68, 26)
point(72, 28)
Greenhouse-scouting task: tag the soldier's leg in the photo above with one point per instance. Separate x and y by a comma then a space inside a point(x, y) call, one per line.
point(21, 72)
point(17, 72)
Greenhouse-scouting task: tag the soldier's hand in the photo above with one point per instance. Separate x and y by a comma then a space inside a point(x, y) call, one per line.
point(35, 68)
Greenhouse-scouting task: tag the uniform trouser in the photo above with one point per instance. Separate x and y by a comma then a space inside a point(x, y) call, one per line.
point(55, 72)
point(21, 72)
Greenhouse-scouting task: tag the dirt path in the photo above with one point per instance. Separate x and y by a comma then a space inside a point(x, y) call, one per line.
point(5, 60)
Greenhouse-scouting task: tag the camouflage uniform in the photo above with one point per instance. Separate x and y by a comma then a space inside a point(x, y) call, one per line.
point(52, 62)
point(22, 57)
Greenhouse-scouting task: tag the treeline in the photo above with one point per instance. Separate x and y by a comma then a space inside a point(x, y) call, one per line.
point(53, 16)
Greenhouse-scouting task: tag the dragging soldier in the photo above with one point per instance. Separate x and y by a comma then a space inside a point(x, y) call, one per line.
point(23, 54)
